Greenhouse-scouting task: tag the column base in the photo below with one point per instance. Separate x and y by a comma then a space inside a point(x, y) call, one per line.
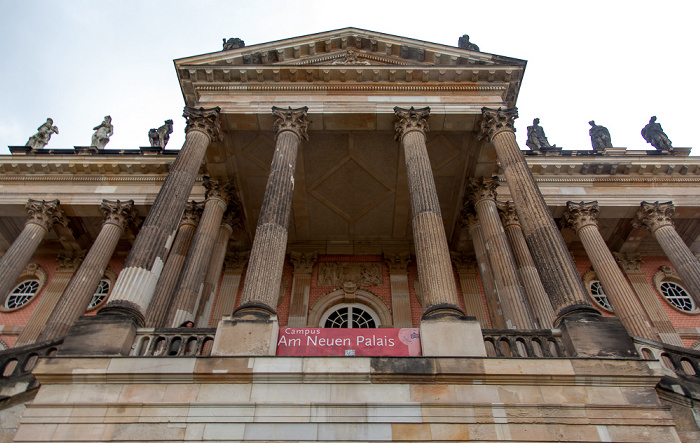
point(247, 334)
point(585, 335)
point(451, 336)
point(100, 335)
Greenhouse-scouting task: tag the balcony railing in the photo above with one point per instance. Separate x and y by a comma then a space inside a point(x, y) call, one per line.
point(171, 342)
point(16, 366)
point(676, 362)
point(537, 343)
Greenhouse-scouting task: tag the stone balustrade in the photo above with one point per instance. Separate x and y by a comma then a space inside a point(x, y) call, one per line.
point(16, 367)
point(170, 342)
point(676, 362)
point(536, 343)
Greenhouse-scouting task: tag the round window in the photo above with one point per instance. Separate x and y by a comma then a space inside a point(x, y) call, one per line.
point(22, 294)
point(599, 295)
point(350, 316)
point(100, 294)
point(677, 296)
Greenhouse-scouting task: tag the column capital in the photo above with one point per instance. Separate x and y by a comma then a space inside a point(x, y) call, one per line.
point(654, 215)
point(507, 212)
point(293, 120)
point(303, 262)
point(192, 214)
point(236, 261)
point(497, 120)
point(203, 120)
point(483, 188)
point(233, 216)
point(118, 213)
point(397, 262)
point(580, 214)
point(468, 217)
point(412, 119)
point(45, 213)
point(218, 189)
point(463, 262)
point(631, 263)
point(69, 261)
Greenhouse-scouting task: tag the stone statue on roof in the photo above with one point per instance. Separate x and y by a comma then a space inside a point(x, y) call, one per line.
point(536, 139)
point(464, 43)
point(43, 135)
point(160, 137)
point(655, 135)
point(102, 133)
point(600, 137)
point(233, 43)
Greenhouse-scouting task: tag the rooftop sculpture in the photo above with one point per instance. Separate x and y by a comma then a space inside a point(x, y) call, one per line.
point(160, 137)
point(655, 135)
point(536, 139)
point(43, 135)
point(102, 133)
point(600, 137)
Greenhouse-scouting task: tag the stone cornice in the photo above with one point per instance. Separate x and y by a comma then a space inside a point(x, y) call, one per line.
point(405, 87)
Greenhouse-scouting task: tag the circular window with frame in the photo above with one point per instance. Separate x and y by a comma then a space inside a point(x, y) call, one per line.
point(598, 295)
point(670, 286)
point(100, 295)
point(22, 294)
point(350, 316)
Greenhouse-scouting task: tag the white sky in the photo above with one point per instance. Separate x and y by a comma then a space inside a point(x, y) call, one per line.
point(615, 62)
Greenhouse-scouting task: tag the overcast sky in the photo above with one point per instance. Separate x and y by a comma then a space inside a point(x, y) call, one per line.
point(616, 62)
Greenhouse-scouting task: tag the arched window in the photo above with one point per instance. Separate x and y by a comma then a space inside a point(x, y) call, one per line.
point(677, 296)
point(22, 294)
point(597, 293)
point(351, 316)
point(100, 294)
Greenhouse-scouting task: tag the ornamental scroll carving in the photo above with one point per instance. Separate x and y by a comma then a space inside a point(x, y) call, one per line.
point(338, 273)
point(203, 120)
point(45, 213)
point(293, 120)
point(497, 120)
point(412, 119)
point(654, 215)
point(580, 214)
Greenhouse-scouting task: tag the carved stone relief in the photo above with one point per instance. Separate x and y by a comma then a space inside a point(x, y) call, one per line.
point(338, 273)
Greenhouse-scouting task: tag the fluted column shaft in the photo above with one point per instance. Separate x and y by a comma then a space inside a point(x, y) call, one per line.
point(42, 215)
point(439, 291)
point(400, 295)
point(554, 263)
point(190, 284)
point(137, 282)
point(211, 281)
point(505, 274)
point(469, 283)
point(157, 312)
point(264, 275)
point(230, 282)
point(301, 287)
point(81, 289)
point(542, 311)
point(492, 302)
point(581, 216)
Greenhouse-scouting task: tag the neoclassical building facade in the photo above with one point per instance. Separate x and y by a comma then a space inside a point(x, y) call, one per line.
point(350, 185)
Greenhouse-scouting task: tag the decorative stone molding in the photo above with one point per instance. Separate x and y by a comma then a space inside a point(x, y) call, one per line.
point(293, 120)
point(340, 295)
point(654, 215)
point(581, 214)
point(303, 262)
point(497, 120)
point(69, 261)
point(483, 188)
point(236, 261)
point(192, 214)
point(507, 212)
point(630, 263)
point(118, 213)
point(45, 213)
point(218, 189)
point(397, 263)
point(337, 273)
point(409, 120)
point(463, 262)
point(203, 120)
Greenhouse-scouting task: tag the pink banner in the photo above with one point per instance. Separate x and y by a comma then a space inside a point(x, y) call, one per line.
point(309, 342)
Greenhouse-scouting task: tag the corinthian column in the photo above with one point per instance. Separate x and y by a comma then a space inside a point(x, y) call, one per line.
point(432, 254)
point(190, 285)
point(82, 287)
point(554, 263)
point(631, 266)
point(42, 215)
point(264, 275)
point(510, 291)
point(657, 218)
point(158, 308)
point(539, 302)
point(136, 283)
point(582, 217)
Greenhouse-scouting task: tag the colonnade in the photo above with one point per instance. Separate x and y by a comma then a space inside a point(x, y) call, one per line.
point(527, 272)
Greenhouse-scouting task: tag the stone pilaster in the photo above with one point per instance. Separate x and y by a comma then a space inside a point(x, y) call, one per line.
point(631, 265)
point(554, 263)
point(493, 304)
point(656, 217)
point(136, 283)
point(301, 285)
point(234, 263)
point(542, 311)
point(468, 271)
point(188, 292)
point(400, 295)
point(68, 263)
point(231, 220)
point(157, 312)
point(439, 291)
point(516, 309)
point(77, 297)
point(42, 215)
point(264, 275)
point(582, 217)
